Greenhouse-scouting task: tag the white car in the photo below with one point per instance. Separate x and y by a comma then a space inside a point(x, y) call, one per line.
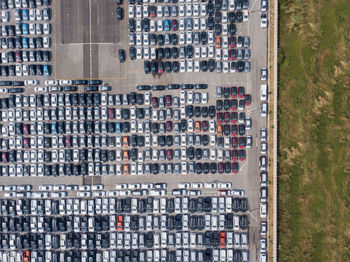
point(182, 97)
point(245, 16)
point(224, 185)
point(209, 185)
point(263, 148)
point(190, 65)
point(131, 11)
point(263, 92)
point(40, 89)
point(263, 74)
point(263, 110)
point(263, 21)
point(263, 7)
point(31, 82)
point(182, 65)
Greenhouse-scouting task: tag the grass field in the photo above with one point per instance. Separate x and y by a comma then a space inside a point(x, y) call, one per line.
point(314, 134)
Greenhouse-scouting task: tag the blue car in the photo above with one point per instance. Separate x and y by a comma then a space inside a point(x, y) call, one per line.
point(167, 25)
point(54, 128)
point(25, 29)
point(25, 14)
point(47, 70)
point(118, 127)
point(25, 42)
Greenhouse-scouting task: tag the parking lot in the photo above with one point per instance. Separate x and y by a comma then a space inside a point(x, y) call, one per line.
point(91, 51)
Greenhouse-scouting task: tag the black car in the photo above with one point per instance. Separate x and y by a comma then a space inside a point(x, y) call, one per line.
point(15, 90)
point(204, 65)
point(121, 55)
point(175, 52)
point(204, 38)
point(176, 66)
point(240, 66)
point(190, 51)
point(91, 88)
point(132, 53)
point(160, 39)
point(147, 67)
point(120, 13)
point(154, 67)
point(145, 24)
point(168, 67)
point(132, 25)
point(239, 17)
point(218, 17)
point(211, 23)
point(212, 65)
point(160, 53)
point(167, 53)
point(232, 29)
point(174, 39)
point(218, 29)
point(210, 9)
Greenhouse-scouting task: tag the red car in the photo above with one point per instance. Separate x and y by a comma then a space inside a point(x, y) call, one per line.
point(233, 54)
point(234, 103)
point(222, 192)
point(222, 242)
point(26, 143)
point(160, 68)
point(235, 167)
point(226, 117)
point(205, 126)
point(152, 11)
point(25, 130)
point(169, 155)
point(4, 157)
point(242, 142)
point(120, 223)
point(234, 141)
point(67, 141)
point(242, 155)
point(111, 113)
point(174, 25)
point(168, 101)
point(154, 102)
point(232, 41)
point(220, 168)
point(169, 126)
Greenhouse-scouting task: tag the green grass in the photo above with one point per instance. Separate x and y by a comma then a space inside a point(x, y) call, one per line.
point(314, 131)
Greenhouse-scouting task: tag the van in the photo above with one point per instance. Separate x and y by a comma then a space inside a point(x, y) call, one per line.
point(245, 256)
point(244, 239)
point(237, 240)
point(229, 204)
point(163, 205)
point(263, 92)
point(156, 205)
point(236, 222)
point(134, 205)
point(91, 224)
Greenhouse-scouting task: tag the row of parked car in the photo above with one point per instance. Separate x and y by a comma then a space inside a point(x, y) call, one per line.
point(196, 66)
point(111, 205)
point(26, 70)
point(100, 169)
point(10, 4)
point(33, 14)
point(25, 56)
point(196, 12)
point(20, 42)
point(119, 240)
point(134, 255)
